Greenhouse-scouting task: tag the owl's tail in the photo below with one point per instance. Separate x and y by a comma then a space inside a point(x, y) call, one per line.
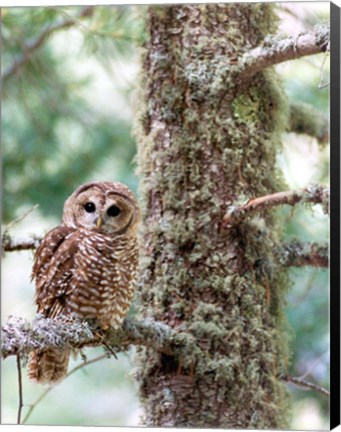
point(48, 367)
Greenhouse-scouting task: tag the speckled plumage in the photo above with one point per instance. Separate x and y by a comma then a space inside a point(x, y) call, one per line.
point(86, 266)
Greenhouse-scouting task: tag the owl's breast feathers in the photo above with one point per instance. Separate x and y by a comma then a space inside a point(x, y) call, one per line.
point(86, 272)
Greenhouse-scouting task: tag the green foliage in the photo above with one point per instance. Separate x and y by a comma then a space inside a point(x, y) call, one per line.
point(113, 30)
point(54, 136)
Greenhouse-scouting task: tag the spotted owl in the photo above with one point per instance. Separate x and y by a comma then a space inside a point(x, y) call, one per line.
point(86, 266)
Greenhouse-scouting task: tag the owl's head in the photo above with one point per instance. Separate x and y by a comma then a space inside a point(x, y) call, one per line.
point(102, 206)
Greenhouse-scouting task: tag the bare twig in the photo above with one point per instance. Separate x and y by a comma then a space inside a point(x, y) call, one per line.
point(314, 194)
point(322, 84)
point(37, 42)
point(278, 49)
point(299, 254)
point(306, 384)
point(8, 244)
point(21, 403)
point(20, 218)
point(86, 363)
point(40, 398)
point(48, 389)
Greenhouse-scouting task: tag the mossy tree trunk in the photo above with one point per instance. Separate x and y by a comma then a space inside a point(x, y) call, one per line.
point(208, 141)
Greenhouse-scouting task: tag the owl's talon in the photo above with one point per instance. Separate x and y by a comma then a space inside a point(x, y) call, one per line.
point(104, 343)
point(83, 355)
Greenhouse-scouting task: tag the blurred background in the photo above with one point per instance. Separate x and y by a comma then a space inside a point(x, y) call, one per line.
point(67, 117)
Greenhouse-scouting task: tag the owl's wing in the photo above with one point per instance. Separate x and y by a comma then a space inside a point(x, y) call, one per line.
point(53, 269)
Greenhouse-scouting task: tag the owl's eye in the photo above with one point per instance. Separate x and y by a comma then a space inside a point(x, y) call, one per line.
point(113, 211)
point(89, 207)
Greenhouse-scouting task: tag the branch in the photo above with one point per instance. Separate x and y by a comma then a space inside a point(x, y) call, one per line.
point(37, 42)
point(299, 254)
point(21, 401)
point(48, 389)
point(20, 336)
point(305, 119)
point(311, 194)
point(306, 384)
point(277, 49)
point(29, 243)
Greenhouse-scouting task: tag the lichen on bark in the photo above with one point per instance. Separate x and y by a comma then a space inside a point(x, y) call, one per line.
point(206, 143)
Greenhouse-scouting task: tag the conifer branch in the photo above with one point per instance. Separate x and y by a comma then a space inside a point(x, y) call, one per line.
point(21, 336)
point(37, 42)
point(277, 49)
point(314, 194)
point(299, 254)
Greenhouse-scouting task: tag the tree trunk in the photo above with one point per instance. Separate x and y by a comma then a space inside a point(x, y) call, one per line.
point(208, 141)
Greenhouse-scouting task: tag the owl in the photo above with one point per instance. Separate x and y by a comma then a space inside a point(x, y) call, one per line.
point(86, 266)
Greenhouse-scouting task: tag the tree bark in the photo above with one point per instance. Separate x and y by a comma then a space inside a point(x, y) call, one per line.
point(207, 143)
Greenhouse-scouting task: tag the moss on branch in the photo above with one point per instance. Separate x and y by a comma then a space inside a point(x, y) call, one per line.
point(22, 336)
point(305, 119)
point(10, 244)
point(299, 254)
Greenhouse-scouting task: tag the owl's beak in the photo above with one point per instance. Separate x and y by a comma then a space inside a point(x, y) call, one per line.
point(99, 221)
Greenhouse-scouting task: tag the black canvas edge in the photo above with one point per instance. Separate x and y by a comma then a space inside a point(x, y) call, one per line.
point(335, 216)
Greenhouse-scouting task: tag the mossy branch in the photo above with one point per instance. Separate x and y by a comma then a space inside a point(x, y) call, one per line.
point(10, 244)
point(299, 254)
point(277, 49)
point(36, 43)
point(21, 336)
point(315, 194)
point(305, 119)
